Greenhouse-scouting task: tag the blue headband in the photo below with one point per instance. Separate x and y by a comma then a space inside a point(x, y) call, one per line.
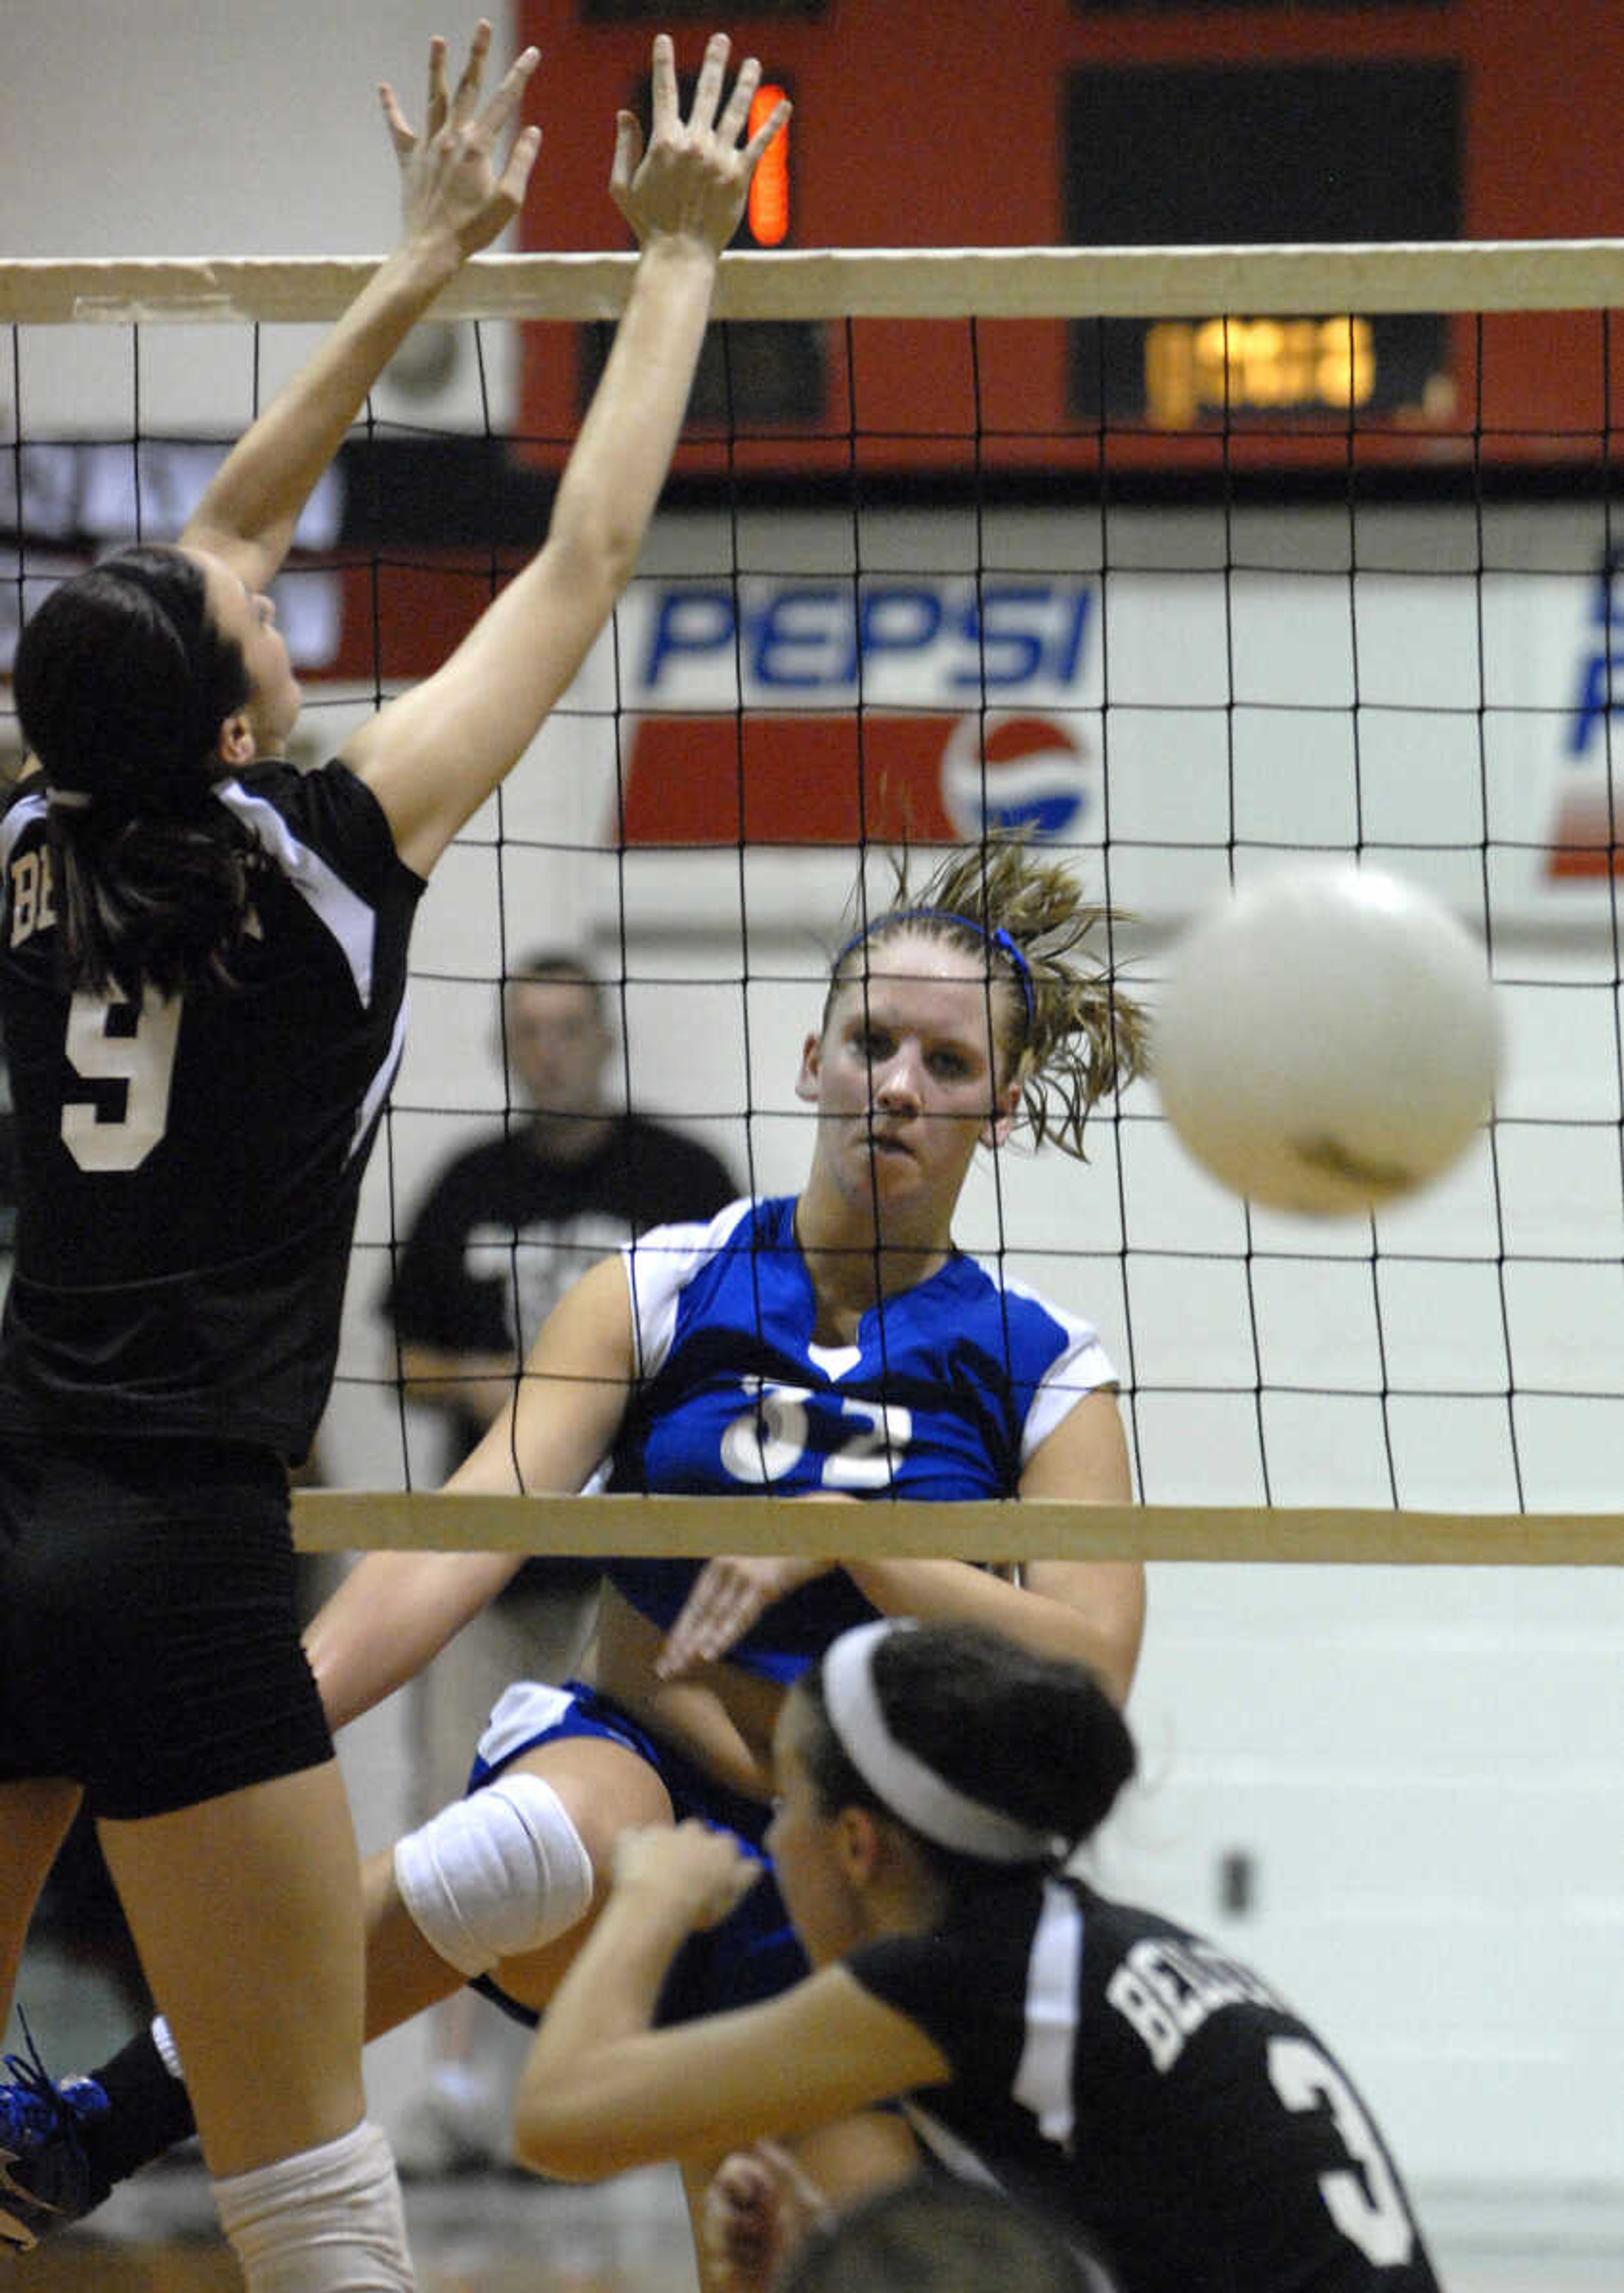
point(1000, 939)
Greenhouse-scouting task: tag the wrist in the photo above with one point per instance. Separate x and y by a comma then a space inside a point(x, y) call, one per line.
point(424, 262)
point(679, 250)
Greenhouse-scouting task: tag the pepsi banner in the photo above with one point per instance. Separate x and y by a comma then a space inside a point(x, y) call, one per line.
point(835, 712)
point(1203, 695)
point(1212, 690)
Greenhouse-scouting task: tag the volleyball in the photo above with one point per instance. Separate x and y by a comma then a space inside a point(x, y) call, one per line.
point(1326, 1040)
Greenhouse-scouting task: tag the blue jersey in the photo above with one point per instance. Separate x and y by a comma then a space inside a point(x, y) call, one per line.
point(947, 1392)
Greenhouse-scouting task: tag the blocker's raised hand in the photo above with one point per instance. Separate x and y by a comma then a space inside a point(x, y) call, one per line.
point(449, 180)
point(694, 177)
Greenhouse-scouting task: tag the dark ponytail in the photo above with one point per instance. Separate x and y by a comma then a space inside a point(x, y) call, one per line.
point(1035, 1737)
point(122, 684)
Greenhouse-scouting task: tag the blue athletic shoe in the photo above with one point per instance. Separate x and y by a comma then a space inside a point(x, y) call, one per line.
point(46, 2180)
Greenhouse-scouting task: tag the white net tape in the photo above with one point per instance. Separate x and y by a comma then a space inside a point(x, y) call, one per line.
point(962, 282)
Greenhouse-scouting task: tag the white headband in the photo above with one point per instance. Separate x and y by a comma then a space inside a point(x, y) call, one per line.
point(910, 1789)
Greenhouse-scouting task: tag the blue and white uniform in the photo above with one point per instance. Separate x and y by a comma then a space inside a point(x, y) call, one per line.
point(950, 1389)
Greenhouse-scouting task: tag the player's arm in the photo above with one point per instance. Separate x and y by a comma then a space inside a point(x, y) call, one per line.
point(396, 1610)
point(1088, 1611)
point(1085, 1461)
point(454, 201)
point(602, 2091)
point(435, 1377)
point(433, 756)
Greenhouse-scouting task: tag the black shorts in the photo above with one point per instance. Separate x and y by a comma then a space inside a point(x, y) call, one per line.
point(148, 1624)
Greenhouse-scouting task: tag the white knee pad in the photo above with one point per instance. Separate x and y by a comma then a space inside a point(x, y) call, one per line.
point(494, 1875)
point(326, 2220)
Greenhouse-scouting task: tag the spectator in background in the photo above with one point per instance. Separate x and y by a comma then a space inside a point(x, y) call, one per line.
point(509, 1224)
point(503, 1231)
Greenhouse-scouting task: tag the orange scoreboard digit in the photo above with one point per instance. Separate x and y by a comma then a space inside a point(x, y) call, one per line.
point(767, 215)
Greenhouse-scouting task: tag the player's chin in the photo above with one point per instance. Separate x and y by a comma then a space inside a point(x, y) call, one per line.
point(886, 1176)
point(286, 718)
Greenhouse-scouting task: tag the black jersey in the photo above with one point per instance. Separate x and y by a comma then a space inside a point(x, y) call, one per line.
point(504, 1232)
point(1134, 2080)
point(187, 1170)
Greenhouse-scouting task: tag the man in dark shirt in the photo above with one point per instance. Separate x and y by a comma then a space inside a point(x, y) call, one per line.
point(511, 1222)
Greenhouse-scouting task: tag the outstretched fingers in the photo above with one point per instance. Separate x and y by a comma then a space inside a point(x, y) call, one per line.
point(666, 117)
point(707, 89)
point(464, 103)
point(694, 177)
point(453, 182)
point(731, 126)
point(628, 154)
point(401, 135)
point(735, 120)
point(510, 94)
point(439, 104)
point(439, 98)
point(779, 116)
point(515, 177)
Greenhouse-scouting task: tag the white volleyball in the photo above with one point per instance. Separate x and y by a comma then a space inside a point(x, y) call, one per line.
point(1326, 1040)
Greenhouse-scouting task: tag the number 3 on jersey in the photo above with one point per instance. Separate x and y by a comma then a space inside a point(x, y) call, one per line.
point(1361, 2199)
point(111, 1041)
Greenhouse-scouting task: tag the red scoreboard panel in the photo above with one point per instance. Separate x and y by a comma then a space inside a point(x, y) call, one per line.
point(1053, 122)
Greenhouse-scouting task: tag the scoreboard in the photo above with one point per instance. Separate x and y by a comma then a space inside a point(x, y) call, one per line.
point(1018, 123)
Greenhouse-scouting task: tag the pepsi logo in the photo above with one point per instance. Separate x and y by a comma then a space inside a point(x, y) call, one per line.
point(1009, 770)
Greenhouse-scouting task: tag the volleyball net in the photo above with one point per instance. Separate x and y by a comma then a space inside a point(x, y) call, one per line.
point(1305, 563)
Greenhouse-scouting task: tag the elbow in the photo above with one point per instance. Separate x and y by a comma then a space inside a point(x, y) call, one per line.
point(1117, 1660)
point(336, 1707)
point(560, 2161)
point(618, 549)
point(548, 2140)
point(597, 550)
